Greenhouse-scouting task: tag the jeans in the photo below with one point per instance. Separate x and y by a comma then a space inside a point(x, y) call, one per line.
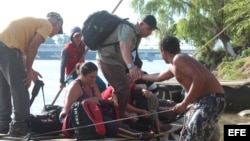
point(12, 73)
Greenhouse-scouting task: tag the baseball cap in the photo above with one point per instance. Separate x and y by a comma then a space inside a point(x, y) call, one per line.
point(151, 21)
point(58, 17)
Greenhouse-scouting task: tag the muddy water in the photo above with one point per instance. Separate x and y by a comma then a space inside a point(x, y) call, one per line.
point(50, 71)
point(231, 118)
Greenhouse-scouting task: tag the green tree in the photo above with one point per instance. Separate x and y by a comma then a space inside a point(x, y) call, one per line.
point(198, 20)
point(239, 14)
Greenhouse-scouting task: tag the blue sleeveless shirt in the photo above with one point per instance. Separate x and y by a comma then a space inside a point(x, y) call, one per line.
point(84, 94)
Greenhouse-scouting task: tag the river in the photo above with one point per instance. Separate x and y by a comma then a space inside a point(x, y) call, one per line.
point(50, 70)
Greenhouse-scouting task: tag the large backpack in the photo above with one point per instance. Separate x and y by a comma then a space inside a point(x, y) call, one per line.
point(87, 120)
point(87, 113)
point(46, 123)
point(98, 26)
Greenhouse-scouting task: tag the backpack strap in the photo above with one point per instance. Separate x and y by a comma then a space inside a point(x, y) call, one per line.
point(95, 115)
point(38, 84)
point(67, 125)
point(109, 109)
point(43, 97)
point(125, 21)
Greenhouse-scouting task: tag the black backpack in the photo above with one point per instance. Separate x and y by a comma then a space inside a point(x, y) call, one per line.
point(46, 123)
point(87, 119)
point(98, 26)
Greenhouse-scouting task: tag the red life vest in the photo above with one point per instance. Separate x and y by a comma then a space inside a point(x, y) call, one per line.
point(74, 56)
point(107, 93)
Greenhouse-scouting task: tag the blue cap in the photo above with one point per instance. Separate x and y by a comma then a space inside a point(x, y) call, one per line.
point(74, 30)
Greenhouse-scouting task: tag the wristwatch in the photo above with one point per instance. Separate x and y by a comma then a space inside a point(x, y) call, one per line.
point(130, 66)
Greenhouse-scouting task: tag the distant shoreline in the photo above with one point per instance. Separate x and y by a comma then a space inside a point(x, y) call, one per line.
point(91, 55)
point(54, 53)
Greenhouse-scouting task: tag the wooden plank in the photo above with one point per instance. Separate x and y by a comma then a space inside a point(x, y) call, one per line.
point(169, 82)
point(63, 138)
point(164, 136)
point(105, 139)
point(6, 137)
point(236, 83)
point(245, 123)
point(172, 134)
point(230, 83)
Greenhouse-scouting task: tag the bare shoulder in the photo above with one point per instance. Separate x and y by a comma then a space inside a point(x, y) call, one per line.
point(182, 59)
point(74, 85)
point(181, 56)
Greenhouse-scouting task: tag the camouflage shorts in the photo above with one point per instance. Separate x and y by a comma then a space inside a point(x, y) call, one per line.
point(201, 120)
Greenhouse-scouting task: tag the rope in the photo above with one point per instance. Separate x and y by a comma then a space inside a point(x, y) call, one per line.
point(212, 39)
point(117, 6)
point(33, 137)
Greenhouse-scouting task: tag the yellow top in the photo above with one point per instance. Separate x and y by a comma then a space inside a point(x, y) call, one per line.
point(19, 33)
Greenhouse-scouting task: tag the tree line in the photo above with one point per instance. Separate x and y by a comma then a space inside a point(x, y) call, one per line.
point(202, 22)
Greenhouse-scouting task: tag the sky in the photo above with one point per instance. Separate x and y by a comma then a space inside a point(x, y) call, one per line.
point(74, 12)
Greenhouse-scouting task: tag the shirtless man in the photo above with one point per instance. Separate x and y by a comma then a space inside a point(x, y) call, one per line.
point(202, 89)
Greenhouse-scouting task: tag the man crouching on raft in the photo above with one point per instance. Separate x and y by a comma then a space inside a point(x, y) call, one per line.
point(201, 87)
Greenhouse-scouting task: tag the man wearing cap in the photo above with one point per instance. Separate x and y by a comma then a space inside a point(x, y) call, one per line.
point(72, 53)
point(19, 43)
point(115, 59)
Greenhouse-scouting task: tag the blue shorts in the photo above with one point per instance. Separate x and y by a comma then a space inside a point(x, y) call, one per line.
point(202, 118)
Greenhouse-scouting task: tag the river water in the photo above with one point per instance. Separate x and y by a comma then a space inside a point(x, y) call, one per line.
point(50, 70)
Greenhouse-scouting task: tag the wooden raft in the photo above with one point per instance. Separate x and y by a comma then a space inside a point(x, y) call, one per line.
point(229, 83)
